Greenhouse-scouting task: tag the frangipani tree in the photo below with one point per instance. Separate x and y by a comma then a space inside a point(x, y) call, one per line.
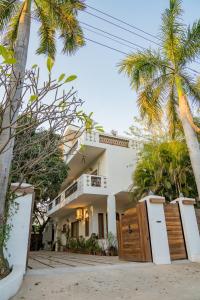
point(163, 82)
point(57, 18)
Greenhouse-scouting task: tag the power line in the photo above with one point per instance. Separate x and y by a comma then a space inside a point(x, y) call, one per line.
point(107, 37)
point(114, 49)
point(125, 23)
point(122, 52)
point(115, 36)
point(114, 24)
point(106, 46)
point(132, 26)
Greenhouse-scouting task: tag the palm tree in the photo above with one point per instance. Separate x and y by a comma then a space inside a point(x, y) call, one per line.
point(163, 82)
point(56, 17)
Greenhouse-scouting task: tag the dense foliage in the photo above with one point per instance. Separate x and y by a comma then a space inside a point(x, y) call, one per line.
point(164, 168)
point(45, 171)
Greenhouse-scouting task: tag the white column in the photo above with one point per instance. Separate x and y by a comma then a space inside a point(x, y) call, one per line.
point(20, 222)
point(158, 229)
point(190, 228)
point(111, 214)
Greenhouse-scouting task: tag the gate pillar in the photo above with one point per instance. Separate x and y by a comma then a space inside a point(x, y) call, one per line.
point(190, 228)
point(157, 229)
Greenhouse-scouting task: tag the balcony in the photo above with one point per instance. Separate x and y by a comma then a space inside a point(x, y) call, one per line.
point(85, 185)
point(99, 141)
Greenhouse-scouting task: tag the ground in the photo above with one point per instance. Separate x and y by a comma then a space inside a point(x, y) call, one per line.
point(61, 276)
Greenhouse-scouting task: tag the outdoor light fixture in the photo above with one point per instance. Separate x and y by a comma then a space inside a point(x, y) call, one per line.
point(86, 214)
point(79, 214)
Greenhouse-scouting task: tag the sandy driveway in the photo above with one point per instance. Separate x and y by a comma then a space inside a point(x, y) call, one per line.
point(179, 281)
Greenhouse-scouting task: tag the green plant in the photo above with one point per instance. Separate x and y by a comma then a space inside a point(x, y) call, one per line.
point(112, 243)
point(163, 81)
point(165, 169)
point(92, 244)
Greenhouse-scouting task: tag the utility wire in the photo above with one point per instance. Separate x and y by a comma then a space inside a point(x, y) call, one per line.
point(132, 26)
point(115, 36)
point(106, 46)
point(114, 24)
point(122, 52)
point(125, 23)
point(107, 37)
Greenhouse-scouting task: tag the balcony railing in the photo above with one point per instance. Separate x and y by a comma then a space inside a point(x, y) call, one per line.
point(86, 184)
point(113, 141)
point(72, 189)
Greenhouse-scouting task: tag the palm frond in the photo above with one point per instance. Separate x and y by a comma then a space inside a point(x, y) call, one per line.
point(143, 66)
point(46, 32)
point(13, 25)
point(190, 49)
point(7, 9)
point(63, 14)
point(171, 110)
point(150, 100)
point(172, 30)
point(191, 87)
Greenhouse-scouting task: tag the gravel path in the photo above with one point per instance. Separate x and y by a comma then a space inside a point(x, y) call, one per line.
point(137, 281)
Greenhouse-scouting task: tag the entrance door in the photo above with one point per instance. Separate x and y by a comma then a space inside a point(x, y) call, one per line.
point(134, 241)
point(175, 232)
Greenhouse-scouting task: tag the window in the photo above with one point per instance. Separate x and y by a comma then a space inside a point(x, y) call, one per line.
point(75, 229)
point(87, 228)
point(101, 226)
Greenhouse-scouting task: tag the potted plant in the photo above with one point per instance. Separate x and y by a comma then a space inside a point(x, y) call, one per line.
point(112, 245)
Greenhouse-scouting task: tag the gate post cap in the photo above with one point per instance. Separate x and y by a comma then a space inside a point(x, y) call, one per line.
point(183, 200)
point(153, 199)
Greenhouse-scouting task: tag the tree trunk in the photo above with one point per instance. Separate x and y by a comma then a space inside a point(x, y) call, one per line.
point(190, 135)
point(13, 104)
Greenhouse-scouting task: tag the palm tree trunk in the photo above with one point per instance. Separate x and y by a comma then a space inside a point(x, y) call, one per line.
point(190, 134)
point(13, 105)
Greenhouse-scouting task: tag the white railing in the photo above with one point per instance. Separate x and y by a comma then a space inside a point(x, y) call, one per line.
point(101, 139)
point(85, 184)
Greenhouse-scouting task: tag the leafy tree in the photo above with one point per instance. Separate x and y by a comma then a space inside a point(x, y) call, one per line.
point(165, 169)
point(46, 175)
point(35, 111)
point(163, 82)
point(56, 18)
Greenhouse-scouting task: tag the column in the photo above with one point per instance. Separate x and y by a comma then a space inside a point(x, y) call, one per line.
point(190, 228)
point(111, 214)
point(158, 229)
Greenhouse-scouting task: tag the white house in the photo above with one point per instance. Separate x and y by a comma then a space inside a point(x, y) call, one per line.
point(95, 193)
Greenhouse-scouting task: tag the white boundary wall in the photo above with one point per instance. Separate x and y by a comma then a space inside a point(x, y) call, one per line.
point(17, 246)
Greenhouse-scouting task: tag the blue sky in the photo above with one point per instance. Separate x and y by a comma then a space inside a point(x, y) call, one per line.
point(104, 91)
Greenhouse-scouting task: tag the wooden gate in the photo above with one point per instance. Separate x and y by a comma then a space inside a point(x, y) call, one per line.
point(175, 232)
point(133, 233)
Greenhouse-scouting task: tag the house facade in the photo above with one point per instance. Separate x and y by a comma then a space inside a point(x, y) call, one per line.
point(96, 192)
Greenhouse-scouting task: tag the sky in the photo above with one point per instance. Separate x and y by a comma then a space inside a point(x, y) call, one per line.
point(104, 91)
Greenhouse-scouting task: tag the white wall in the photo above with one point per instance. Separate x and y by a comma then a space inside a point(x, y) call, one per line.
point(17, 245)
point(120, 164)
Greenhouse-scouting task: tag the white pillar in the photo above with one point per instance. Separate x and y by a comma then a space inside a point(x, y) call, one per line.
point(190, 228)
point(158, 229)
point(20, 222)
point(111, 214)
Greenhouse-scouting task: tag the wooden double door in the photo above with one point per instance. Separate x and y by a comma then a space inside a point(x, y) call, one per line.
point(175, 233)
point(133, 235)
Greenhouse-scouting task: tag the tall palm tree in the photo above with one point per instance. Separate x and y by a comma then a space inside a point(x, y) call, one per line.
point(163, 81)
point(56, 18)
